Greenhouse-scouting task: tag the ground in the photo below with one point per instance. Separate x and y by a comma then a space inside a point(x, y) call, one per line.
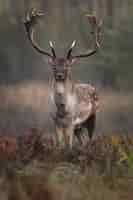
point(33, 168)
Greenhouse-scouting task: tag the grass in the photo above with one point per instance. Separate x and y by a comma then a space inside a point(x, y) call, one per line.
point(32, 168)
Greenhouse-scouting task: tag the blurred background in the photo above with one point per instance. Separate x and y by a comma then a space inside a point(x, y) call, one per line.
point(24, 73)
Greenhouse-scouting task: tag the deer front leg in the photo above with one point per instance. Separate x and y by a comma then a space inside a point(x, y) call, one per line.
point(68, 136)
point(59, 136)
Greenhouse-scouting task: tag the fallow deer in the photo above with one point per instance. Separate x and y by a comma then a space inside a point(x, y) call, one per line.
point(76, 104)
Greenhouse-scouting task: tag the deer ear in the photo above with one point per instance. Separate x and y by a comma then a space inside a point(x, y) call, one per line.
point(71, 61)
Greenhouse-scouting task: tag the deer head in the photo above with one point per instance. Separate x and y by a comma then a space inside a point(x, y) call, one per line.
point(61, 66)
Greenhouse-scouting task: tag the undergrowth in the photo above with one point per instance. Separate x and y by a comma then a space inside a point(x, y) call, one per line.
point(32, 168)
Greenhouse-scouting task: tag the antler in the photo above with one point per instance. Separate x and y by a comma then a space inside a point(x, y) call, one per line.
point(30, 22)
point(97, 33)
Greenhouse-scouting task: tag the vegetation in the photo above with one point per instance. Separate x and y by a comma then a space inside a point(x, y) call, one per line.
point(33, 168)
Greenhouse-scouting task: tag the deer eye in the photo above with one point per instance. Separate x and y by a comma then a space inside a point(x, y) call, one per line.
point(54, 67)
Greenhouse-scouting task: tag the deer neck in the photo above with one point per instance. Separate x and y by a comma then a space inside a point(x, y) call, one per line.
point(64, 95)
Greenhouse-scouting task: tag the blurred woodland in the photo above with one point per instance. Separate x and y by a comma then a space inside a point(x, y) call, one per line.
point(63, 23)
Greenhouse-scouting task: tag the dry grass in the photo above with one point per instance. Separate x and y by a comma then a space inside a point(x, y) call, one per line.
point(102, 169)
point(27, 94)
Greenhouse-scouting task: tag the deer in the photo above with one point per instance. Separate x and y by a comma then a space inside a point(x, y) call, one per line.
point(75, 104)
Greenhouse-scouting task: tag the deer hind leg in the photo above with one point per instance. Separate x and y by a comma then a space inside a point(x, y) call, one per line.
point(90, 125)
point(78, 134)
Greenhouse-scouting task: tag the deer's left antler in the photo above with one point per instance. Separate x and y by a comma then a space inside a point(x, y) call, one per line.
point(97, 26)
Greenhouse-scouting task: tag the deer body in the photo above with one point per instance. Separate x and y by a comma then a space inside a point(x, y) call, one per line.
point(75, 104)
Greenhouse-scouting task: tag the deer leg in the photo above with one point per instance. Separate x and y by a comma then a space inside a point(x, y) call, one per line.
point(77, 133)
point(90, 125)
point(71, 133)
point(59, 136)
point(68, 135)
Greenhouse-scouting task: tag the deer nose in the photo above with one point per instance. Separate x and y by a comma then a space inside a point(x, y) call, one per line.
point(60, 76)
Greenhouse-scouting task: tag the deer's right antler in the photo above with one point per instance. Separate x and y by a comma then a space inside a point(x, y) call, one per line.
point(30, 21)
